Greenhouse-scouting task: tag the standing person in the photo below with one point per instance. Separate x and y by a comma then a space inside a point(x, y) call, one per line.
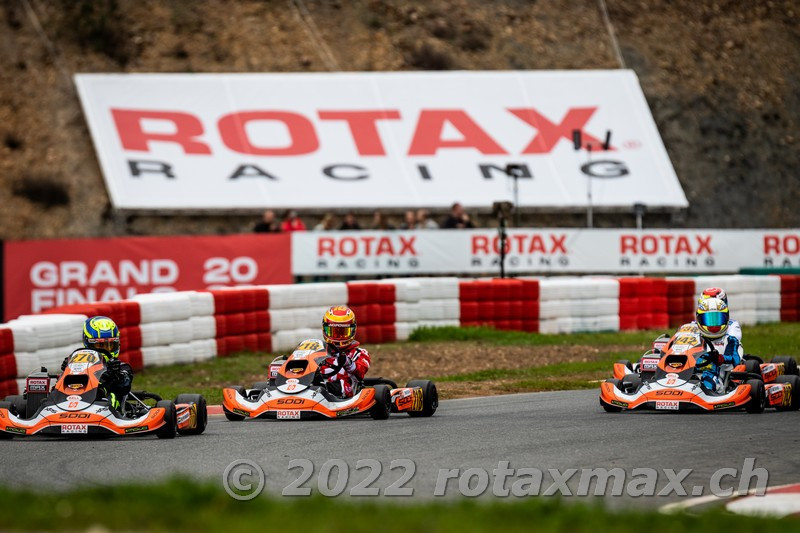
point(423, 222)
point(326, 224)
point(380, 222)
point(457, 219)
point(409, 221)
point(268, 223)
point(292, 222)
point(350, 222)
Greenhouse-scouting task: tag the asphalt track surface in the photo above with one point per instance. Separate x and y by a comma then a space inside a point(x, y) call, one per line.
point(554, 430)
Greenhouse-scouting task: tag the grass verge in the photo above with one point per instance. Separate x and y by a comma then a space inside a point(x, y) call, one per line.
point(181, 504)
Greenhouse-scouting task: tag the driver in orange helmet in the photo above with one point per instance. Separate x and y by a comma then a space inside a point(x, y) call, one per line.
point(347, 363)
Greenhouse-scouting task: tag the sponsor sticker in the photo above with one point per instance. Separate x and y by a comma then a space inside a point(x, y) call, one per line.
point(619, 403)
point(289, 414)
point(78, 368)
point(724, 405)
point(74, 429)
point(292, 381)
point(345, 412)
point(19, 431)
point(184, 416)
point(672, 375)
point(649, 364)
point(136, 429)
point(73, 398)
point(241, 412)
point(669, 405)
point(38, 384)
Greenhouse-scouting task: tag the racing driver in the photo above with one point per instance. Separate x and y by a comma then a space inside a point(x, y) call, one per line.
point(347, 363)
point(101, 333)
point(713, 320)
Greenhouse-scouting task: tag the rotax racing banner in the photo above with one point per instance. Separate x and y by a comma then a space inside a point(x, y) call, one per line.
point(39, 275)
point(543, 251)
point(390, 139)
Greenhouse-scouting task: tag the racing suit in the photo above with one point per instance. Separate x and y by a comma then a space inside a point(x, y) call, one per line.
point(343, 368)
point(116, 382)
point(730, 351)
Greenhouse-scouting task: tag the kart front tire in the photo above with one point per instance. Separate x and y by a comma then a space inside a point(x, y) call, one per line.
point(3, 434)
point(789, 364)
point(430, 397)
point(233, 417)
point(758, 397)
point(202, 412)
point(169, 429)
point(19, 405)
point(794, 381)
point(383, 403)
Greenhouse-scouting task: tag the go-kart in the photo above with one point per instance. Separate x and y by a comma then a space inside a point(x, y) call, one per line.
point(76, 406)
point(297, 391)
point(666, 378)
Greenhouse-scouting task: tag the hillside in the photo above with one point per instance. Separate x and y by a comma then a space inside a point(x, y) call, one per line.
point(722, 79)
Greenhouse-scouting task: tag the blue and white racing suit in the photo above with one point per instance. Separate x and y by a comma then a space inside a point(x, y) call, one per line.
point(729, 346)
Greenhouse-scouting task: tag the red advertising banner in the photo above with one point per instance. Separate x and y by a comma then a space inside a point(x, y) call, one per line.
point(49, 273)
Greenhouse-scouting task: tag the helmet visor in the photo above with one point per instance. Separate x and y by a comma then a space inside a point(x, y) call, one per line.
point(109, 344)
point(339, 332)
point(713, 320)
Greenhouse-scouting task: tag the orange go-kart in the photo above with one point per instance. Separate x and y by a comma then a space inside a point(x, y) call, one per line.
point(76, 406)
point(296, 391)
point(667, 379)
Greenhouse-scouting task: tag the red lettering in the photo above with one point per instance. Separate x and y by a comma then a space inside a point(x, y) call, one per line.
point(771, 243)
point(407, 245)
point(325, 245)
point(348, 247)
point(233, 130)
point(133, 137)
point(667, 240)
point(683, 246)
point(558, 244)
point(428, 135)
point(367, 243)
point(649, 245)
point(703, 244)
point(480, 244)
point(363, 127)
point(536, 245)
point(384, 247)
point(520, 241)
point(628, 243)
point(549, 133)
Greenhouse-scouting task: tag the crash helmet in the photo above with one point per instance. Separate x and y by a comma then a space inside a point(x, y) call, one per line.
point(715, 292)
point(712, 317)
point(101, 333)
point(339, 326)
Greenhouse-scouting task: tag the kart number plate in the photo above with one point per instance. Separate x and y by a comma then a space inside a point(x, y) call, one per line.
point(670, 405)
point(74, 429)
point(289, 414)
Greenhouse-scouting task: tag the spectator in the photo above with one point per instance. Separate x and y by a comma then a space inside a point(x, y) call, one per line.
point(423, 222)
point(410, 221)
point(380, 222)
point(350, 222)
point(326, 224)
point(457, 219)
point(268, 223)
point(291, 222)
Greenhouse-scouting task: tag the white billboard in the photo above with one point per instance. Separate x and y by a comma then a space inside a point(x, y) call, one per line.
point(391, 139)
point(546, 251)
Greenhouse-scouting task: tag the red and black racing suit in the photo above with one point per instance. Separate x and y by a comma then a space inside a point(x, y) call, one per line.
point(344, 367)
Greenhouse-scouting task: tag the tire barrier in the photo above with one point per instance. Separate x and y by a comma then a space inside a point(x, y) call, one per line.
point(192, 326)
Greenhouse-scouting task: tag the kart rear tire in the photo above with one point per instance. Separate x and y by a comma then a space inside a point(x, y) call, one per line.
point(751, 357)
point(758, 397)
point(430, 397)
point(169, 429)
point(789, 364)
point(202, 412)
point(19, 405)
point(383, 403)
point(3, 434)
point(794, 381)
point(233, 417)
point(751, 366)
